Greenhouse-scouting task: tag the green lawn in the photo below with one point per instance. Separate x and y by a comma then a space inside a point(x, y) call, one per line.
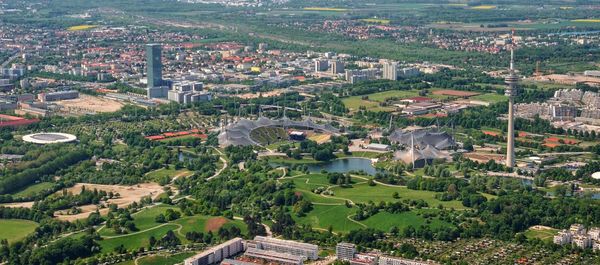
point(169, 172)
point(323, 216)
point(543, 234)
point(135, 241)
point(33, 189)
point(165, 260)
point(384, 221)
point(365, 193)
point(143, 219)
point(14, 230)
point(490, 97)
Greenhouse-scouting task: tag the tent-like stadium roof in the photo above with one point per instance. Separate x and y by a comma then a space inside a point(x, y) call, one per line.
point(420, 156)
point(239, 133)
point(423, 137)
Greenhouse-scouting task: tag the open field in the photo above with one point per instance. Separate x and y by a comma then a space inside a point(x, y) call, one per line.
point(14, 230)
point(491, 97)
point(324, 216)
point(81, 27)
point(541, 232)
point(128, 195)
point(87, 103)
point(33, 189)
point(147, 226)
point(484, 7)
point(364, 193)
point(455, 93)
point(376, 21)
point(384, 221)
point(135, 241)
point(170, 172)
point(165, 259)
point(326, 9)
point(586, 20)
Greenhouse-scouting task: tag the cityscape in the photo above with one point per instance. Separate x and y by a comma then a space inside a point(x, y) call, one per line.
point(259, 132)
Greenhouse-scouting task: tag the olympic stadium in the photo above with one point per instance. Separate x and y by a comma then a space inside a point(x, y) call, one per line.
point(265, 131)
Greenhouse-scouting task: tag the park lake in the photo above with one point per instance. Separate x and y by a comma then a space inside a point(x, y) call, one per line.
point(341, 165)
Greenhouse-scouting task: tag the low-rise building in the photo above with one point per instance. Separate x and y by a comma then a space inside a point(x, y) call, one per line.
point(400, 261)
point(60, 95)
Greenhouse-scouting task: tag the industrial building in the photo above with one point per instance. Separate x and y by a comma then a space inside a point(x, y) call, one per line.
point(305, 250)
point(60, 95)
point(188, 92)
point(217, 253)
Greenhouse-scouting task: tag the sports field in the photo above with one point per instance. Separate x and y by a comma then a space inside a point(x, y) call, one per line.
point(14, 230)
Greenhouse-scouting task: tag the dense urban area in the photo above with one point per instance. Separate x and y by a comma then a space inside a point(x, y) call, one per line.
point(345, 132)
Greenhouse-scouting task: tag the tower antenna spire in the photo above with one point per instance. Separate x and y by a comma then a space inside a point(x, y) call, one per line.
point(512, 81)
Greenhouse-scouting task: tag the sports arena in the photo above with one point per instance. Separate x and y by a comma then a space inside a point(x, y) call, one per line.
point(49, 138)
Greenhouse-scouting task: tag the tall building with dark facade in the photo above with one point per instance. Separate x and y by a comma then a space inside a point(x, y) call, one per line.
point(154, 65)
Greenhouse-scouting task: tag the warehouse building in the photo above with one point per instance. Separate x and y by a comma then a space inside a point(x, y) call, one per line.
point(60, 95)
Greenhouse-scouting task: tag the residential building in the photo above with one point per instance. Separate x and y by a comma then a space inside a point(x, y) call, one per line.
point(337, 67)
point(582, 241)
point(577, 229)
point(390, 70)
point(270, 256)
point(562, 238)
point(309, 251)
point(321, 65)
point(345, 251)
point(400, 261)
point(217, 253)
point(364, 259)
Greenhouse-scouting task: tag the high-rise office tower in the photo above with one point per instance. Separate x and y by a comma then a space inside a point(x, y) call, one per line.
point(511, 80)
point(154, 65)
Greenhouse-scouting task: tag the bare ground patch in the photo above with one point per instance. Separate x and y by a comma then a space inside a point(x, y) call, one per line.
point(127, 195)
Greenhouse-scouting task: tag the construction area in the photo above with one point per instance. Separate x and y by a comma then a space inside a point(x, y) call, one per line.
point(87, 104)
